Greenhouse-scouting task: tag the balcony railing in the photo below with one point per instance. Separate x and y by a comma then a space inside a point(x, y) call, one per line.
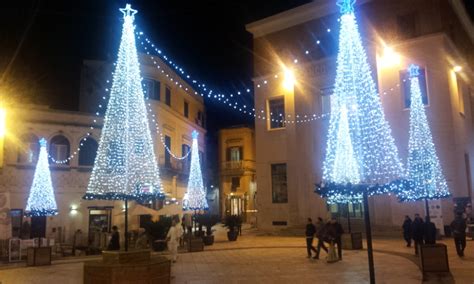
point(238, 165)
point(181, 166)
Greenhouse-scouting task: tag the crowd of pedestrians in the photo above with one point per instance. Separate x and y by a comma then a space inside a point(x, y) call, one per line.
point(330, 233)
point(425, 232)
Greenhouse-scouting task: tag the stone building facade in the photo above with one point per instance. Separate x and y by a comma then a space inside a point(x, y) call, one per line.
point(438, 35)
point(178, 112)
point(237, 175)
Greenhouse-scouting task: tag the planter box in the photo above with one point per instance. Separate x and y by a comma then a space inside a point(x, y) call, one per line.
point(38, 256)
point(434, 258)
point(128, 267)
point(208, 240)
point(195, 244)
point(352, 241)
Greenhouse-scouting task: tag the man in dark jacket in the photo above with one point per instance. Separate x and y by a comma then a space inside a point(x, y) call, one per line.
point(334, 231)
point(320, 234)
point(429, 232)
point(417, 232)
point(407, 230)
point(458, 227)
point(114, 243)
point(310, 231)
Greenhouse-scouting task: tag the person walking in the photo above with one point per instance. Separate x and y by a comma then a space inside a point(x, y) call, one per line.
point(114, 243)
point(335, 231)
point(173, 236)
point(320, 235)
point(458, 227)
point(407, 230)
point(417, 232)
point(429, 231)
point(310, 231)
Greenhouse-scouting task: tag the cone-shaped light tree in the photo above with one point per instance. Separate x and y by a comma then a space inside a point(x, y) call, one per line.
point(361, 156)
point(424, 173)
point(195, 197)
point(125, 167)
point(41, 201)
point(358, 132)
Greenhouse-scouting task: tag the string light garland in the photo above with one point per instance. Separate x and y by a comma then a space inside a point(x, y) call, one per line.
point(41, 201)
point(225, 99)
point(195, 196)
point(370, 148)
point(125, 166)
point(424, 173)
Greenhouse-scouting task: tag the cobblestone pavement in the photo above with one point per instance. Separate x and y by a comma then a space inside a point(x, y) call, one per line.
point(270, 259)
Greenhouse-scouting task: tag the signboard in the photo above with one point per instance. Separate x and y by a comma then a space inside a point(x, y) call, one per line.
point(436, 215)
point(5, 219)
point(14, 250)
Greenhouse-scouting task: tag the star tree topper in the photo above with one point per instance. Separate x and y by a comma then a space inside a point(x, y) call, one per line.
point(347, 6)
point(128, 11)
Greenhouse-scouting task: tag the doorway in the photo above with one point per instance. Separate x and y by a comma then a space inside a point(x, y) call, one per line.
point(38, 227)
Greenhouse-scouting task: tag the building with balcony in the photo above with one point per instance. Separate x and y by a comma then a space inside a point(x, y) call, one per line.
point(238, 190)
point(290, 132)
point(178, 112)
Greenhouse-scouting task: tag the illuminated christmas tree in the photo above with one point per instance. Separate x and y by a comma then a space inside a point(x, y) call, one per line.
point(364, 158)
point(125, 166)
point(195, 197)
point(424, 172)
point(41, 200)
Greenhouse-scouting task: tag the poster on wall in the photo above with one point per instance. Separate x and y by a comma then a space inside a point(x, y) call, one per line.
point(5, 219)
point(436, 215)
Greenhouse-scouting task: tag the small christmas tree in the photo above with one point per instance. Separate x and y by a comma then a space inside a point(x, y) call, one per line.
point(125, 166)
point(195, 197)
point(424, 174)
point(41, 201)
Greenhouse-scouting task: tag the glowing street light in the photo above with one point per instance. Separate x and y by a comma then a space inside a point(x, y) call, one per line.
point(457, 68)
point(389, 58)
point(288, 80)
point(3, 122)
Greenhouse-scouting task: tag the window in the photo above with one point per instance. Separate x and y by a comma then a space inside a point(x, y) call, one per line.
point(279, 186)
point(151, 89)
point(186, 109)
point(406, 25)
point(88, 151)
point(405, 83)
point(29, 149)
point(186, 162)
point(276, 110)
point(59, 148)
point(462, 90)
point(168, 96)
point(200, 119)
point(235, 183)
point(167, 154)
point(234, 154)
point(326, 99)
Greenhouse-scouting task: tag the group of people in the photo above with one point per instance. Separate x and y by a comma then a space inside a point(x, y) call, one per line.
point(424, 232)
point(329, 232)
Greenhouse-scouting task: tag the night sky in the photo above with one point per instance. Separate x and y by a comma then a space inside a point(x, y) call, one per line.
point(43, 44)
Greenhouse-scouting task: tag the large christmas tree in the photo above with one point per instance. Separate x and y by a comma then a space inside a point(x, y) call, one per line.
point(125, 166)
point(424, 174)
point(195, 197)
point(41, 201)
point(361, 155)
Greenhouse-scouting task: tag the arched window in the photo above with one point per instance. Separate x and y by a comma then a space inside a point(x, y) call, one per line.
point(59, 149)
point(88, 151)
point(29, 149)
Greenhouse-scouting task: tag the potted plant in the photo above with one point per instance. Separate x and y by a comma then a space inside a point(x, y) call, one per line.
point(233, 223)
point(208, 221)
point(157, 231)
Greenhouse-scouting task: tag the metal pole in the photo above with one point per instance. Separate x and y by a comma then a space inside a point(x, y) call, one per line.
point(427, 208)
point(368, 232)
point(348, 219)
point(126, 225)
